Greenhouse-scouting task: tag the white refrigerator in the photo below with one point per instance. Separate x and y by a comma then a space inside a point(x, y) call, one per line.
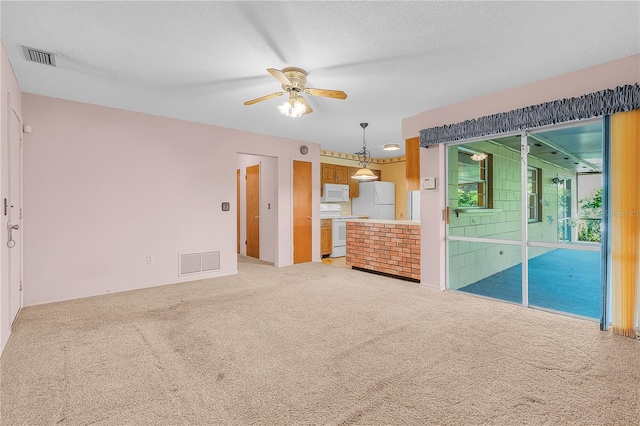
point(375, 200)
point(413, 205)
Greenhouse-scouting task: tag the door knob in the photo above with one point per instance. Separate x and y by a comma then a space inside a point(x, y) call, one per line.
point(309, 217)
point(11, 243)
point(257, 217)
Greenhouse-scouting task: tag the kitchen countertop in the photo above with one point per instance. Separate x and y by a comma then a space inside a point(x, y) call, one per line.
point(392, 222)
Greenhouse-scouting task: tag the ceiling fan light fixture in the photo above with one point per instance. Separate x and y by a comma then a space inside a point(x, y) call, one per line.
point(292, 108)
point(391, 147)
point(293, 81)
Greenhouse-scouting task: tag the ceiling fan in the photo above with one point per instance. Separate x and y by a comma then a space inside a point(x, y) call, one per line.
point(293, 82)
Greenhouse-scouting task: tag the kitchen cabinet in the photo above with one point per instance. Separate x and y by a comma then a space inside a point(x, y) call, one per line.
point(325, 237)
point(333, 173)
point(353, 183)
point(413, 163)
point(342, 175)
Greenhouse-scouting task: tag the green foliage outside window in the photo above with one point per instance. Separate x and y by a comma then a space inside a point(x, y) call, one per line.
point(468, 195)
point(589, 223)
point(564, 226)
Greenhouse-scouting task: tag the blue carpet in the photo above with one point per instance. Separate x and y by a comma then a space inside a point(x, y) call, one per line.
point(563, 280)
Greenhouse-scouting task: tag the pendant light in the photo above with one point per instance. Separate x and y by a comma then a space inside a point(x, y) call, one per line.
point(364, 156)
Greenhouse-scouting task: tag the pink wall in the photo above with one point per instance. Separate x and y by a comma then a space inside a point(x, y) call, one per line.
point(10, 99)
point(432, 205)
point(589, 80)
point(104, 188)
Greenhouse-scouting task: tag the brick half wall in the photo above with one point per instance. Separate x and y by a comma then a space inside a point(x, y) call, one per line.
point(386, 248)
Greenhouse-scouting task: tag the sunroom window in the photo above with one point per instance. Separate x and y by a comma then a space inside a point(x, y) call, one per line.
point(474, 179)
point(534, 189)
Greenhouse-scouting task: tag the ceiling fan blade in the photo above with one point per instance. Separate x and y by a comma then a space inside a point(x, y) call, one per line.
point(303, 101)
point(264, 98)
point(335, 94)
point(279, 76)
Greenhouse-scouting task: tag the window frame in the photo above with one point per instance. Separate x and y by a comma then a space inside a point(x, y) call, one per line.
point(535, 209)
point(485, 183)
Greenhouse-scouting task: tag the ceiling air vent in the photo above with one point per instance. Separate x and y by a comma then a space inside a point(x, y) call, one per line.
point(39, 56)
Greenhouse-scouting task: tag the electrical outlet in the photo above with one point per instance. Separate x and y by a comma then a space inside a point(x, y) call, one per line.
point(149, 259)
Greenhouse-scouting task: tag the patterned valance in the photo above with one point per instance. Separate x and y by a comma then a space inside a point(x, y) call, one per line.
point(604, 102)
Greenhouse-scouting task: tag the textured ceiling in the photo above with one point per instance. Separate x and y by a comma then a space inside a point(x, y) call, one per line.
point(199, 61)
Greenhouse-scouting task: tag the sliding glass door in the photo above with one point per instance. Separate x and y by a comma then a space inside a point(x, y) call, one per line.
point(524, 218)
point(564, 218)
point(485, 230)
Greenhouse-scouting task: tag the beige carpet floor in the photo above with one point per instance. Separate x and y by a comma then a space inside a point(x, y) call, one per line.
point(312, 344)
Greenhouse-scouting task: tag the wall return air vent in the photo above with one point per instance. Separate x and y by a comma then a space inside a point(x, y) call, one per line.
point(39, 56)
point(193, 263)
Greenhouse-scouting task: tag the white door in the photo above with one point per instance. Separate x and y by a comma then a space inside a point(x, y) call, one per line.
point(13, 213)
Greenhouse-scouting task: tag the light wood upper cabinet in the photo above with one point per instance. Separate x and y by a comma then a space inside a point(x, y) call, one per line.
point(342, 175)
point(413, 163)
point(353, 183)
point(328, 173)
point(333, 173)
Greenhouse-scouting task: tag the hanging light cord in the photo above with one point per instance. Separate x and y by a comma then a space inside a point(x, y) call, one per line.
point(364, 156)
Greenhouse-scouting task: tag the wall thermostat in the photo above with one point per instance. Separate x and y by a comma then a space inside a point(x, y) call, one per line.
point(304, 149)
point(428, 183)
point(226, 206)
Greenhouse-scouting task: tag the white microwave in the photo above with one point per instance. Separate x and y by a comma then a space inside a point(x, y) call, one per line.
point(335, 193)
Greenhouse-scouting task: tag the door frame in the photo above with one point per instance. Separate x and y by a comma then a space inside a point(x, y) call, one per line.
point(13, 254)
point(524, 242)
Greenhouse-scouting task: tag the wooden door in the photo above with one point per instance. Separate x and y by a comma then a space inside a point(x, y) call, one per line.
point(253, 211)
point(302, 212)
point(238, 209)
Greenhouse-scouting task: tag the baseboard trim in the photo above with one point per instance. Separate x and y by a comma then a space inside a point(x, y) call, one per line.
point(5, 340)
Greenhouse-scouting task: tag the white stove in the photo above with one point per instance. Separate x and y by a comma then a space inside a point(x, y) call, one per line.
point(338, 227)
